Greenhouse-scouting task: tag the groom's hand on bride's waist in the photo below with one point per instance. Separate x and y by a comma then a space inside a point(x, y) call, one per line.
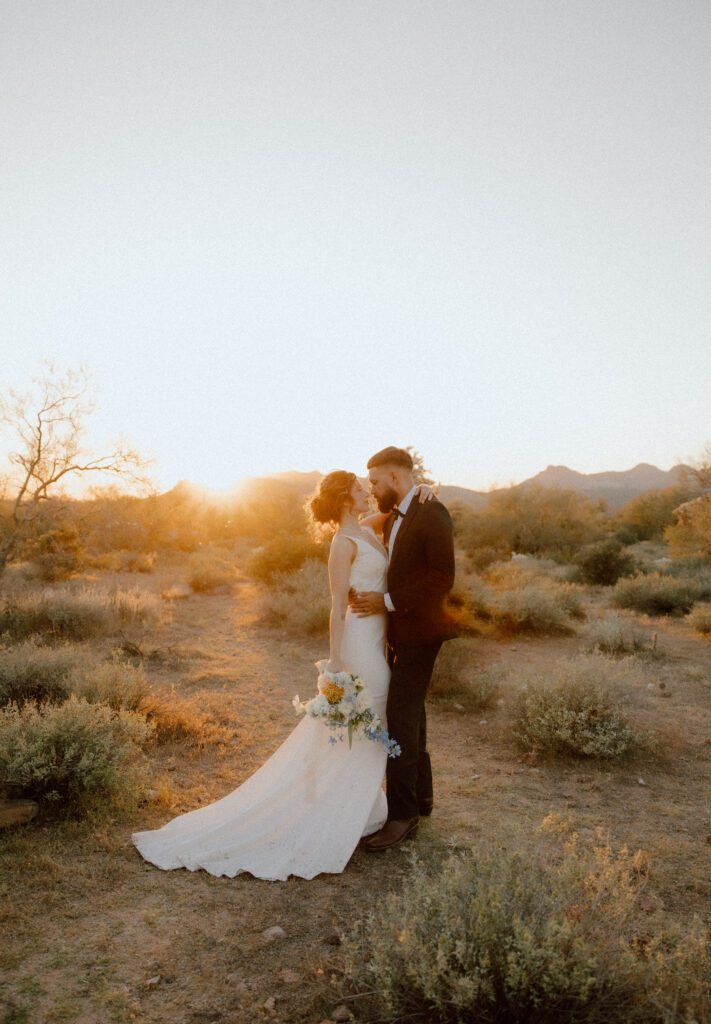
point(366, 602)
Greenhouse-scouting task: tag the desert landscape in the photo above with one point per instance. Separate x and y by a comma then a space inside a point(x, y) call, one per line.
point(569, 724)
point(249, 245)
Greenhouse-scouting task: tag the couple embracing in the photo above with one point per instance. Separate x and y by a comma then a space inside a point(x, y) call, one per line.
point(305, 810)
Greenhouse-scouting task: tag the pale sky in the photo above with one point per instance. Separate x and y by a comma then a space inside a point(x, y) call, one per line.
point(286, 234)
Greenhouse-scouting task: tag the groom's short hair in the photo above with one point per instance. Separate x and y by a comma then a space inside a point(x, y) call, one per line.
point(391, 457)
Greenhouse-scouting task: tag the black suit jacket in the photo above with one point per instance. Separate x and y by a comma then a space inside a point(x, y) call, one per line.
point(420, 574)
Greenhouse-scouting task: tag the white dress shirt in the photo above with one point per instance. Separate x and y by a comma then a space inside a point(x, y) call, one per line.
point(403, 506)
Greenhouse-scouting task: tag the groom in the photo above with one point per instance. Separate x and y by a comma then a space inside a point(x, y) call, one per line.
point(420, 575)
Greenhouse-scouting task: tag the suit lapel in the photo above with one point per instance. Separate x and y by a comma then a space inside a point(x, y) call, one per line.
point(387, 530)
point(404, 527)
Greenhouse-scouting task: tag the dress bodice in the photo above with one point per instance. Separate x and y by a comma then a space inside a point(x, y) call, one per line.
point(370, 565)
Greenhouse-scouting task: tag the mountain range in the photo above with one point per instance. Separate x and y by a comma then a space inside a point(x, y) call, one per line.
point(615, 487)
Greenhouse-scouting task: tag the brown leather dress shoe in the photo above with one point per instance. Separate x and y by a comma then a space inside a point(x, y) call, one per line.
point(392, 833)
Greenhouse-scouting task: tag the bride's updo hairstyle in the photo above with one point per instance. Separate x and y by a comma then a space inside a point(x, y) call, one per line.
point(332, 496)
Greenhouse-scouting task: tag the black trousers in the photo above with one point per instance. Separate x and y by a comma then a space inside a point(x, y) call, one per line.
point(408, 778)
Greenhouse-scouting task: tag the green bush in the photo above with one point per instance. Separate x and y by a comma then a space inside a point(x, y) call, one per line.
point(62, 753)
point(29, 672)
point(700, 619)
point(284, 553)
point(578, 709)
point(657, 594)
point(690, 533)
point(528, 519)
point(522, 569)
point(456, 677)
point(602, 564)
point(75, 614)
point(299, 602)
point(470, 601)
point(568, 597)
point(119, 685)
point(543, 937)
point(207, 570)
point(58, 553)
point(608, 635)
point(694, 569)
point(533, 609)
point(33, 673)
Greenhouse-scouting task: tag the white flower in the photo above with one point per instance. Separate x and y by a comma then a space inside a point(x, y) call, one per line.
point(362, 702)
point(318, 706)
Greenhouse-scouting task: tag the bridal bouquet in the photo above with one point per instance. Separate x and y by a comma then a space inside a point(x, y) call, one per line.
point(343, 702)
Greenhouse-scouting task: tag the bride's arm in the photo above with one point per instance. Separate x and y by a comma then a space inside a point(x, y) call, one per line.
point(343, 551)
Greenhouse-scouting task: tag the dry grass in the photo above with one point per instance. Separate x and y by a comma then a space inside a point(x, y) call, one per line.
point(88, 923)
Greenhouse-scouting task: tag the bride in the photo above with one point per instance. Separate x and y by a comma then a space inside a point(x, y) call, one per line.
point(304, 811)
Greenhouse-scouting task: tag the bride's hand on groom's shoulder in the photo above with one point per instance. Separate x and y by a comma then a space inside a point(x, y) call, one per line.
point(425, 493)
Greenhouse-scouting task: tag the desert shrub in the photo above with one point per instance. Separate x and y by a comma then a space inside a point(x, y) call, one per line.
point(649, 556)
point(568, 596)
point(544, 936)
point(454, 664)
point(30, 672)
point(481, 558)
point(603, 563)
point(657, 594)
point(521, 569)
point(57, 553)
point(183, 720)
point(136, 561)
point(75, 614)
point(694, 569)
point(300, 601)
point(578, 709)
point(532, 609)
point(283, 554)
point(608, 635)
point(124, 561)
point(61, 753)
point(119, 685)
point(469, 602)
point(207, 570)
point(529, 519)
point(135, 607)
point(690, 533)
point(647, 515)
point(456, 677)
point(700, 619)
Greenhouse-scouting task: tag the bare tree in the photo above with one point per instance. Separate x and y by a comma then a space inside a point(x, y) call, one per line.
point(48, 427)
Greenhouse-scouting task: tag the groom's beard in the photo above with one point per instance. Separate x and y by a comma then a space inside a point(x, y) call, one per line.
point(387, 501)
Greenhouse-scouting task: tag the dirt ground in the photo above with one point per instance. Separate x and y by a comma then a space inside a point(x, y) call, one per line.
point(92, 934)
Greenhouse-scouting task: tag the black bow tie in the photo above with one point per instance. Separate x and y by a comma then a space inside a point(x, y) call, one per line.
point(396, 512)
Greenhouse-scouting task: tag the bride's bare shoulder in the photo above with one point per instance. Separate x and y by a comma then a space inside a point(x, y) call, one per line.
point(343, 541)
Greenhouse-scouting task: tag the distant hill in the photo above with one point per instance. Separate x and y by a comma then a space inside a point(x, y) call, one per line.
point(305, 482)
point(615, 488)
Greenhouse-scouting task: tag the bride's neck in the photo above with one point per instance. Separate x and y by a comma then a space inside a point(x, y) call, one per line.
point(349, 521)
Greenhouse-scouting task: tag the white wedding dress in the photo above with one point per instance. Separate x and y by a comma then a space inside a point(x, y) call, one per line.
point(304, 811)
